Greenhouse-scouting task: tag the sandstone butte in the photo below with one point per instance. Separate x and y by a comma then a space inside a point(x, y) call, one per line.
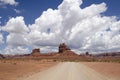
point(63, 50)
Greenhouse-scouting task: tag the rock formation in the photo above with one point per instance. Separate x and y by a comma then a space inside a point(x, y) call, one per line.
point(1, 56)
point(35, 52)
point(63, 47)
point(65, 51)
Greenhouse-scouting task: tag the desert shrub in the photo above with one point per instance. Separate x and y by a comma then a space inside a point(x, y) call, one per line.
point(14, 63)
point(87, 53)
point(54, 60)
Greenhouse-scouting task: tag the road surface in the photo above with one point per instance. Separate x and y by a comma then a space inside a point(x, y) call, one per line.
point(68, 71)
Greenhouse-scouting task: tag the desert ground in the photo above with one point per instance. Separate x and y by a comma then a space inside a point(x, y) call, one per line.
point(109, 69)
point(15, 69)
point(49, 70)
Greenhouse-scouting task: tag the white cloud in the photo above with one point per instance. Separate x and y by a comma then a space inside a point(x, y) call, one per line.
point(17, 11)
point(16, 25)
point(10, 2)
point(46, 48)
point(94, 9)
point(46, 29)
point(17, 32)
point(17, 39)
point(16, 50)
point(1, 38)
point(82, 29)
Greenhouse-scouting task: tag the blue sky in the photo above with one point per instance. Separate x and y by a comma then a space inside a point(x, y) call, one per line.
point(29, 9)
point(32, 10)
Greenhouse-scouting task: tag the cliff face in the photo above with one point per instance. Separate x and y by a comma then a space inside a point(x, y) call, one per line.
point(35, 52)
point(1, 56)
point(63, 47)
point(63, 51)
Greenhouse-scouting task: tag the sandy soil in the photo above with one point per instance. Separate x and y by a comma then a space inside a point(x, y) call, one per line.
point(48, 70)
point(68, 71)
point(14, 69)
point(112, 70)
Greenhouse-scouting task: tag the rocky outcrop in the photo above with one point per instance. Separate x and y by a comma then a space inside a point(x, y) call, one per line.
point(63, 47)
point(35, 52)
point(68, 53)
point(63, 52)
point(1, 56)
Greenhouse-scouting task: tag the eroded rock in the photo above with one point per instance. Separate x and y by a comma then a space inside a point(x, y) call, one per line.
point(63, 47)
point(35, 52)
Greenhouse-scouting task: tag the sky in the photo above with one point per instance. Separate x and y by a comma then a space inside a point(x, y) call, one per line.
point(84, 25)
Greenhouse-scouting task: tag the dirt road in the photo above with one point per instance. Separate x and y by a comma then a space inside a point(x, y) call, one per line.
point(67, 71)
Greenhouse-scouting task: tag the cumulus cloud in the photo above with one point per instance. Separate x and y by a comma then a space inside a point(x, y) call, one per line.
point(16, 25)
point(82, 29)
point(10, 2)
point(17, 37)
point(1, 38)
point(16, 50)
point(46, 29)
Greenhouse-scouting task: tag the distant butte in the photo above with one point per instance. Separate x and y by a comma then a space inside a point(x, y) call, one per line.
point(35, 52)
point(63, 47)
point(1, 56)
point(63, 52)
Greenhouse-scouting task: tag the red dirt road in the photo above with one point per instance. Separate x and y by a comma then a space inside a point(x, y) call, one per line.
point(68, 71)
